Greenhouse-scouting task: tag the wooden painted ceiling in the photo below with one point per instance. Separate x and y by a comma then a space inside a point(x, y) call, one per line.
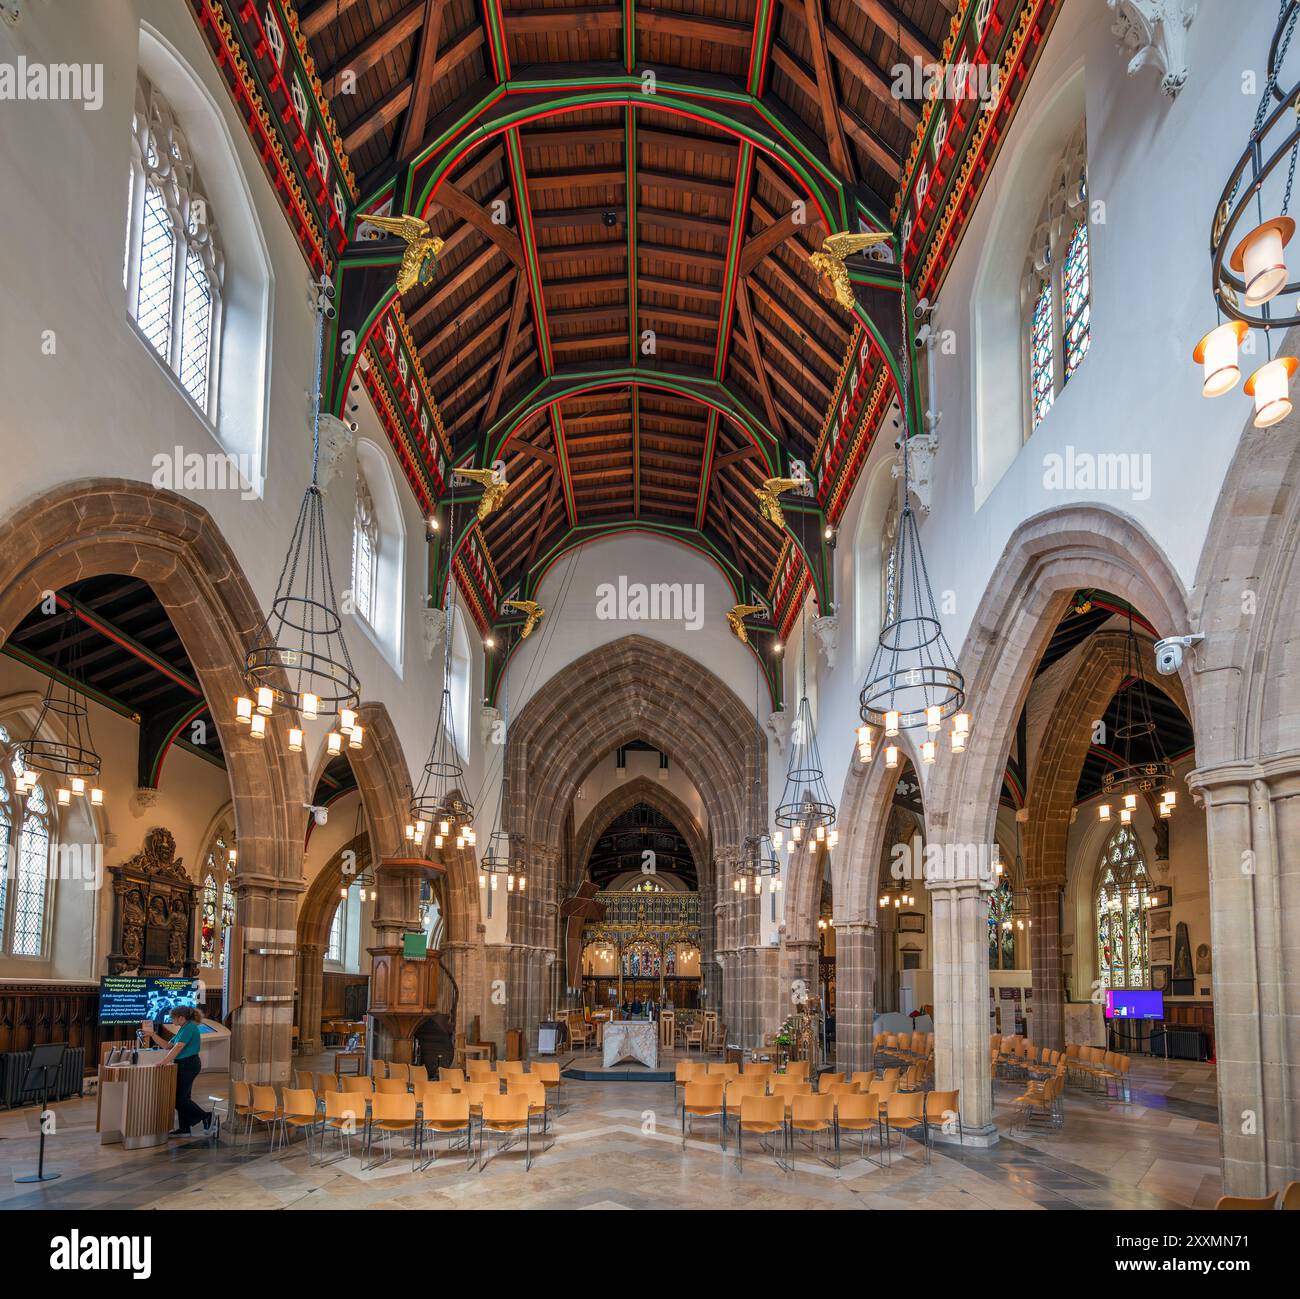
point(578, 242)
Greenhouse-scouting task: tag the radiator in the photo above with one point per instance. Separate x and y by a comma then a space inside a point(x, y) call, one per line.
point(13, 1073)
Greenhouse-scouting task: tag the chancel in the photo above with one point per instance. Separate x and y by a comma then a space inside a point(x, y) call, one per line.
point(650, 605)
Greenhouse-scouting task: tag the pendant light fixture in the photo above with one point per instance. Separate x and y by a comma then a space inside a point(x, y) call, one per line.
point(439, 801)
point(1248, 270)
point(500, 858)
point(1145, 774)
point(299, 659)
point(913, 680)
point(758, 857)
point(806, 809)
point(61, 744)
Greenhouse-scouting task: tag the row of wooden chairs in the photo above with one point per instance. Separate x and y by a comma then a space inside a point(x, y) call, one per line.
point(433, 1108)
point(916, 1046)
point(794, 1114)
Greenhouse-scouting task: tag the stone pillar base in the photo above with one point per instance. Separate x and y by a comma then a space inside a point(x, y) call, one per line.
point(979, 1137)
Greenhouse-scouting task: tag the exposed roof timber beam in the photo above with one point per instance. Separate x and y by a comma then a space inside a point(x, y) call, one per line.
point(692, 257)
point(377, 46)
point(897, 26)
point(388, 108)
point(569, 180)
point(564, 252)
point(477, 303)
point(746, 309)
point(516, 369)
point(507, 351)
point(770, 238)
point(827, 93)
point(545, 523)
point(459, 204)
point(794, 360)
point(716, 31)
point(821, 312)
point(321, 15)
point(417, 115)
point(746, 452)
point(452, 284)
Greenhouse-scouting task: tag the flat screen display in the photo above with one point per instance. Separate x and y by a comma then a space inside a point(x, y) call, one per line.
point(130, 998)
point(1134, 1003)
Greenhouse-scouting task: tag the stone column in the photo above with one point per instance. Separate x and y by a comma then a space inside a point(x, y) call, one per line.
point(262, 986)
point(961, 1002)
point(855, 994)
point(311, 991)
point(1045, 957)
point(886, 947)
point(1253, 829)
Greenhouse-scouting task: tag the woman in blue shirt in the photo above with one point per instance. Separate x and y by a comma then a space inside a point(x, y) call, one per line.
point(183, 1050)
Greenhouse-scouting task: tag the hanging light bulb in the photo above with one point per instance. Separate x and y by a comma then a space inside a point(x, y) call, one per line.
point(265, 700)
point(1165, 810)
point(64, 796)
point(78, 786)
point(958, 739)
point(310, 705)
point(1270, 387)
point(232, 856)
point(1259, 259)
point(1169, 798)
point(927, 752)
point(343, 892)
point(437, 841)
point(410, 832)
point(1130, 801)
point(833, 838)
point(796, 833)
point(1103, 811)
point(891, 756)
point(97, 797)
point(1125, 816)
point(334, 743)
point(884, 901)
point(778, 836)
point(932, 718)
point(243, 710)
point(891, 722)
point(347, 720)
point(257, 726)
point(354, 740)
point(1216, 353)
point(295, 739)
point(821, 834)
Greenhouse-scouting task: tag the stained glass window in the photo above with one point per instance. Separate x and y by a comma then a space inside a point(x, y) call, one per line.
point(6, 829)
point(1123, 883)
point(173, 256)
point(208, 924)
point(1076, 304)
point(1002, 941)
point(1042, 393)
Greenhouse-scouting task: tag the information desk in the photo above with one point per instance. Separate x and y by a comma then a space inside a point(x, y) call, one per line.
point(636, 1039)
point(137, 1102)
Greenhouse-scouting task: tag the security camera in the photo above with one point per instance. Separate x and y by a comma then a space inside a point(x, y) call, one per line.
point(1169, 652)
point(319, 814)
point(610, 218)
point(922, 309)
point(923, 336)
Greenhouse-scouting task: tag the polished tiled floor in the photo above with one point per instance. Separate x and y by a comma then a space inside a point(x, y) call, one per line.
point(618, 1146)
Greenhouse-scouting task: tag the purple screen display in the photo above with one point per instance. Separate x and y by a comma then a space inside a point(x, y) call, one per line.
point(1137, 1003)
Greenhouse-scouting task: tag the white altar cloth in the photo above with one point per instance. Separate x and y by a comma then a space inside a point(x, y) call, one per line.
point(632, 1040)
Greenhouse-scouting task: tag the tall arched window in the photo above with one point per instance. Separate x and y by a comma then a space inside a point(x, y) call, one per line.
point(365, 551)
point(26, 835)
point(173, 255)
point(1122, 886)
point(459, 682)
point(888, 574)
point(217, 905)
point(334, 947)
point(1056, 293)
point(1002, 927)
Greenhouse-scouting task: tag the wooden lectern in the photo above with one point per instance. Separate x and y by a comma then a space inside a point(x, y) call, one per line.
point(403, 994)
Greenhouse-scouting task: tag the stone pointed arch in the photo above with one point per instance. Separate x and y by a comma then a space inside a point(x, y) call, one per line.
point(1047, 559)
point(633, 688)
point(628, 794)
point(91, 527)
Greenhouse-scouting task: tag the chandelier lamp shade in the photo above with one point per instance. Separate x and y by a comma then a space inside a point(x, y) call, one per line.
point(299, 659)
point(500, 858)
point(913, 681)
point(61, 744)
point(806, 809)
point(1249, 237)
point(1148, 773)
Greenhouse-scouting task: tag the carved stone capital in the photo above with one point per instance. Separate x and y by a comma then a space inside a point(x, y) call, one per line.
point(920, 455)
point(1154, 33)
point(144, 797)
point(826, 629)
point(778, 727)
point(335, 442)
point(434, 628)
point(488, 719)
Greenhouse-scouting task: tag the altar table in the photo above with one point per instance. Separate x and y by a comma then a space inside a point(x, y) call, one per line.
point(632, 1040)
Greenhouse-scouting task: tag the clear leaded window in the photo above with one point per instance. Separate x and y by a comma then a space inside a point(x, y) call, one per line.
point(217, 900)
point(1056, 292)
point(1122, 887)
point(26, 836)
point(173, 255)
point(365, 551)
point(334, 949)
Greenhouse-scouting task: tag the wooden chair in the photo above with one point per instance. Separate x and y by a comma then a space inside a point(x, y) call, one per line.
point(703, 1100)
point(580, 1033)
point(392, 1114)
point(797, 1069)
point(423, 1089)
point(864, 1079)
point(723, 1070)
point(299, 1113)
point(505, 1117)
point(763, 1116)
point(454, 1076)
point(941, 1108)
point(1247, 1202)
point(419, 1073)
point(242, 1103)
point(266, 1110)
point(686, 1071)
point(905, 1112)
point(399, 1070)
point(357, 1083)
point(447, 1114)
point(479, 1070)
point(302, 1079)
point(535, 1090)
point(757, 1069)
point(345, 1114)
point(811, 1115)
point(378, 1068)
point(478, 1092)
point(825, 1081)
point(734, 1090)
point(859, 1112)
point(1291, 1195)
point(548, 1073)
point(326, 1082)
point(510, 1068)
point(390, 1086)
point(694, 1036)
